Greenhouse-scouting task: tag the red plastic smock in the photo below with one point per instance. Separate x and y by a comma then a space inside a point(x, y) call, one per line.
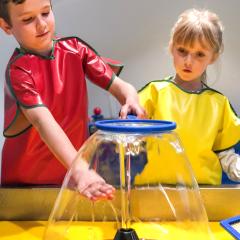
point(57, 82)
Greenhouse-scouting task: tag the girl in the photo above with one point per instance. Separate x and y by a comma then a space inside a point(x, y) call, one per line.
point(206, 122)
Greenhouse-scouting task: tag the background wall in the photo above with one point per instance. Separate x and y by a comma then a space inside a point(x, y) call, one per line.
point(137, 33)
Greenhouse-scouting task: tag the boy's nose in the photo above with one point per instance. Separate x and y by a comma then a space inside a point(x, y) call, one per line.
point(40, 25)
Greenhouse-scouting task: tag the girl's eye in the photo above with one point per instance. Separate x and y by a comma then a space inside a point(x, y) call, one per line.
point(200, 54)
point(182, 51)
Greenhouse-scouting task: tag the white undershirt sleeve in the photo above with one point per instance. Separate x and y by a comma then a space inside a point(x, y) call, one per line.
point(230, 162)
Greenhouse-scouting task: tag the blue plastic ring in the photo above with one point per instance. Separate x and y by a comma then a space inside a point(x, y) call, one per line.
point(139, 126)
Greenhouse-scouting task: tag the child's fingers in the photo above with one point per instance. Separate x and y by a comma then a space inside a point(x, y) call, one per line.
point(102, 188)
point(133, 109)
point(93, 195)
point(141, 113)
point(108, 189)
point(124, 111)
point(99, 190)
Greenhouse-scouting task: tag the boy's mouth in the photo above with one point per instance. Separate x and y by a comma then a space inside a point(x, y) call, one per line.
point(42, 34)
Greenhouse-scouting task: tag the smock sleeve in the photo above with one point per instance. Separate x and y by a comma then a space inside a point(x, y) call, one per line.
point(19, 90)
point(99, 70)
point(229, 133)
point(22, 87)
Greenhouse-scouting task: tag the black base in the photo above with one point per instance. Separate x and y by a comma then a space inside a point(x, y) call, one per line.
point(126, 234)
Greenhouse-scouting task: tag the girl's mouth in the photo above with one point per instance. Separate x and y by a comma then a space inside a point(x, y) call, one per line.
point(187, 70)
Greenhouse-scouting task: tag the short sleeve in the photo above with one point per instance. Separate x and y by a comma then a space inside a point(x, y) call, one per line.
point(229, 133)
point(22, 87)
point(95, 68)
point(115, 65)
point(19, 90)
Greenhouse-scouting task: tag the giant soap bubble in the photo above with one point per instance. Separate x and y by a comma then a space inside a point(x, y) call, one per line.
point(157, 196)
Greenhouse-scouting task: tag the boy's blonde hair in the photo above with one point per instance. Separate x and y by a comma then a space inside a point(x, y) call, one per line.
point(200, 25)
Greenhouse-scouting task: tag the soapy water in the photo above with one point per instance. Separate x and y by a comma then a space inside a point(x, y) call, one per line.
point(156, 192)
point(148, 226)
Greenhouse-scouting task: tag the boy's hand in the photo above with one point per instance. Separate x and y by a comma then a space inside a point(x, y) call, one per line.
point(94, 187)
point(132, 107)
point(91, 185)
point(127, 96)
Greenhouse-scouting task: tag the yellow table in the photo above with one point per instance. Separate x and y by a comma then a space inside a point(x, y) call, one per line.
point(33, 230)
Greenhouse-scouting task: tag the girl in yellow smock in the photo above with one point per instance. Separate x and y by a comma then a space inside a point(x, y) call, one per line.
point(206, 123)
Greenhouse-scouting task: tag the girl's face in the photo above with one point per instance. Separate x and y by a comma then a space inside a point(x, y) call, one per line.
point(32, 24)
point(190, 62)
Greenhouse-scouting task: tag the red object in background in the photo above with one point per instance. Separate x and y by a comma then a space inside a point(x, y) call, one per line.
point(97, 110)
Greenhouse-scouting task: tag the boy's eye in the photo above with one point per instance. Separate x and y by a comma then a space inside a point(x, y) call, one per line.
point(45, 14)
point(26, 20)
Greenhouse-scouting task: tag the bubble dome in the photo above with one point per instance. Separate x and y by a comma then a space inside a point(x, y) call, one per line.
point(157, 196)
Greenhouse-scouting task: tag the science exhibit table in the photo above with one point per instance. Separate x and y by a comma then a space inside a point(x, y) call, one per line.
point(24, 213)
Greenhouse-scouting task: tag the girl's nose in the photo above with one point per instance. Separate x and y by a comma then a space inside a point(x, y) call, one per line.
point(188, 59)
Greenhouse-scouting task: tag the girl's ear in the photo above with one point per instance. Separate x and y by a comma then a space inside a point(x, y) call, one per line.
point(170, 47)
point(5, 26)
point(214, 58)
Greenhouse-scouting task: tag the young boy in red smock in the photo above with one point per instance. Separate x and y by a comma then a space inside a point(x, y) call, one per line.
point(46, 108)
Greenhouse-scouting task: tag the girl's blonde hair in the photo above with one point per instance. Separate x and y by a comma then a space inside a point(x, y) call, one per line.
point(198, 25)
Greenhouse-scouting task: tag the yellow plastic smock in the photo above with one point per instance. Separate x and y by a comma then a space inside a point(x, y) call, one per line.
point(206, 124)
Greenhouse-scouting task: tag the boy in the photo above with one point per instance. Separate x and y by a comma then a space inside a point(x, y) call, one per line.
point(46, 88)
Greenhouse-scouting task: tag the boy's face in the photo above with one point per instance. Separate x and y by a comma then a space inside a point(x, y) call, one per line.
point(32, 24)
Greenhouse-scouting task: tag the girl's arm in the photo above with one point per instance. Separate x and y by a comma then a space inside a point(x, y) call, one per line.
point(230, 162)
point(127, 96)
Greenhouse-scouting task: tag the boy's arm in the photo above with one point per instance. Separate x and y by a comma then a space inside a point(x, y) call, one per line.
point(51, 133)
point(88, 182)
point(127, 96)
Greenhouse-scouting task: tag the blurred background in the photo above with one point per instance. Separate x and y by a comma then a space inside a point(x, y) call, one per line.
point(137, 32)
